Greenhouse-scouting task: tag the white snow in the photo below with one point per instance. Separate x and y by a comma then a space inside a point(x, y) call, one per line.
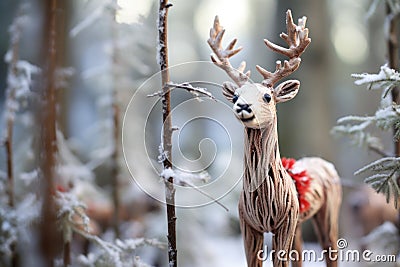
point(167, 173)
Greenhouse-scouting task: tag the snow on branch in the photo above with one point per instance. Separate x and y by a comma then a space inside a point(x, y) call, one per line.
point(386, 79)
point(355, 128)
point(195, 91)
point(19, 80)
point(71, 214)
point(386, 118)
point(384, 180)
point(15, 222)
point(389, 118)
point(72, 218)
point(394, 6)
point(120, 253)
point(94, 15)
point(188, 179)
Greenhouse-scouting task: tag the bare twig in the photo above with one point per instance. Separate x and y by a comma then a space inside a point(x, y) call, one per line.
point(379, 151)
point(167, 129)
point(48, 229)
point(196, 91)
point(184, 182)
point(116, 125)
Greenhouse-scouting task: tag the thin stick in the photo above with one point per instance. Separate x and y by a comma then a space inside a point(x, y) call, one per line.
point(116, 125)
point(379, 151)
point(48, 228)
point(167, 129)
point(197, 91)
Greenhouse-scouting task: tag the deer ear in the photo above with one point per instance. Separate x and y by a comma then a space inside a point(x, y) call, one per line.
point(286, 91)
point(228, 90)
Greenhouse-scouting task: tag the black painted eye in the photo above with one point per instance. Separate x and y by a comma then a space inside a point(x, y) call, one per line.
point(267, 97)
point(235, 98)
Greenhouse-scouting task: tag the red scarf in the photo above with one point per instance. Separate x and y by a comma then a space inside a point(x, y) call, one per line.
point(301, 180)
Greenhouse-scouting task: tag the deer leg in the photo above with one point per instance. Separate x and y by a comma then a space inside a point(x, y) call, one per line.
point(253, 243)
point(297, 259)
point(326, 227)
point(282, 242)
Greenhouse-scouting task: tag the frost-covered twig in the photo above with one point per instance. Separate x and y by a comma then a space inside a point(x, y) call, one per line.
point(18, 83)
point(186, 179)
point(115, 254)
point(356, 130)
point(386, 118)
point(94, 15)
point(196, 91)
point(386, 170)
point(386, 79)
point(72, 218)
point(15, 223)
point(116, 125)
point(162, 60)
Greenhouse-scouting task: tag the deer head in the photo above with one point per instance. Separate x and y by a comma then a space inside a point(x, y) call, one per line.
point(255, 103)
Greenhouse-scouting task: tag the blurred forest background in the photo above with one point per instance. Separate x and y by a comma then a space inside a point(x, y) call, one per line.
point(106, 52)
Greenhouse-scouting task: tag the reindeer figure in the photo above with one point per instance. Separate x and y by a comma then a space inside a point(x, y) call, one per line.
point(269, 201)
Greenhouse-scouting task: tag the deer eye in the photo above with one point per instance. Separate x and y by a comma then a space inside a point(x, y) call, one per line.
point(235, 98)
point(267, 97)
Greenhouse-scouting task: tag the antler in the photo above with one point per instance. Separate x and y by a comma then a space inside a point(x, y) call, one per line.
point(221, 56)
point(298, 40)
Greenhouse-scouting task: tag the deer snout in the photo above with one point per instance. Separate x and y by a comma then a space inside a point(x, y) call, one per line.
point(243, 111)
point(244, 107)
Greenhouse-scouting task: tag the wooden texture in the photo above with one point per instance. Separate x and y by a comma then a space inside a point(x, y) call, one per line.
point(269, 200)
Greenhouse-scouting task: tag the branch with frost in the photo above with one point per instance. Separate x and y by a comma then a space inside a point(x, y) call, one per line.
point(389, 118)
point(386, 79)
point(19, 79)
point(394, 6)
point(195, 91)
point(386, 118)
point(29, 177)
point(385, 173)
point(71, 214)
point(118, 253)
point(8, 230)
point(162, 154)
point(355, 127)
point(15, 222)
point(19, 76)
point(72, 218)
point(187, 179)
point(107, 6)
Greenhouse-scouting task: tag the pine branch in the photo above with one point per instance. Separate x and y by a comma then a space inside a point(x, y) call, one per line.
point(386, 118)
point(384, 179)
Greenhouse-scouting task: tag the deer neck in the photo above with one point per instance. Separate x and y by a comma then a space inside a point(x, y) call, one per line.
point(262, 161)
